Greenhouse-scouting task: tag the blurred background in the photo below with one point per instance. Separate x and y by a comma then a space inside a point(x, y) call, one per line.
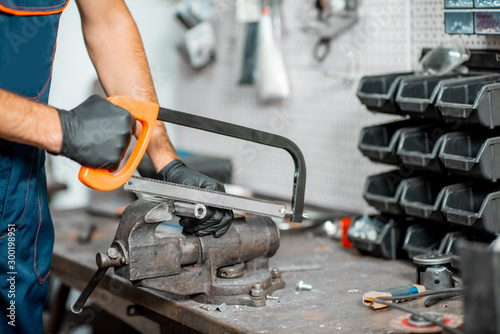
point(320, 113)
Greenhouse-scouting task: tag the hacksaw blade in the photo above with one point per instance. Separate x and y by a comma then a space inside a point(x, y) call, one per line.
point(211, 198)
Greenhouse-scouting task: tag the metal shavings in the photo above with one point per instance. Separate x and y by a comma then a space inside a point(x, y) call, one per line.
point(204, 308)
point(353, 291)
point(222, 307)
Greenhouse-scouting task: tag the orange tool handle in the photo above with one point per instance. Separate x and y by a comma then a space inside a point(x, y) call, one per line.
point(105, 179)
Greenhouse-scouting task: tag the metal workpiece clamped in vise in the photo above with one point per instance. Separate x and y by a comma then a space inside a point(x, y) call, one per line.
point(232, 269)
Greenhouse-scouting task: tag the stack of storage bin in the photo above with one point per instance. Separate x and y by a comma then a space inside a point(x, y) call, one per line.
point(447, 150)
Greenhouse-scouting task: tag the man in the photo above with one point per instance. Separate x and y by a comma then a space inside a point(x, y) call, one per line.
point(95, 134)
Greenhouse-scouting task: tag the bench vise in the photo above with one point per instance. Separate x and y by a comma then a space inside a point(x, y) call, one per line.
point(231, 269)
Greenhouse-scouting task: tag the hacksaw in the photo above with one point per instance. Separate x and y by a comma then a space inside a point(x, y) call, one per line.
point(148, 113)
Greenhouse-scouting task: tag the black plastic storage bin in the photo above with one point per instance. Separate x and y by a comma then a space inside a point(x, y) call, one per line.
point(378, 236)
point(474, 204)
point(472, 153)
point(473, 101)
point(379, 143)
point(416, 95)
point(451, 241)
point(383, 192)
point(419, 147)
point(422, 196)
point(377, 92)
point(422, 239)
point(449, 244)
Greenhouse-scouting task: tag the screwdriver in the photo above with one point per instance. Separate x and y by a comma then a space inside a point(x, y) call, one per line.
point(391, 292)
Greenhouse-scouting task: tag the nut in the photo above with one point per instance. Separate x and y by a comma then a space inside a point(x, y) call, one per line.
point(257, 291)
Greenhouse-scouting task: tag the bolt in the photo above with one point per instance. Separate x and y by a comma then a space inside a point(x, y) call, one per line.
point(275, 273)
point(256, 290)
point(113, 253)
point(303, 286)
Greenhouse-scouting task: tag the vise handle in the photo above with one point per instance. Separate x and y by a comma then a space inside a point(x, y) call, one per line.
point(115, 256)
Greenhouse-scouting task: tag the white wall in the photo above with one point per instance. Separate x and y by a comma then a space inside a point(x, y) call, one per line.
point(74, 75)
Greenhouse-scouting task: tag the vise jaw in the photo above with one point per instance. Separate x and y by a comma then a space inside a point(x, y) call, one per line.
point(233, 268)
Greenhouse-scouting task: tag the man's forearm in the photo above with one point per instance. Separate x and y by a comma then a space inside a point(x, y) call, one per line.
point(29, 122)
point(116, 49)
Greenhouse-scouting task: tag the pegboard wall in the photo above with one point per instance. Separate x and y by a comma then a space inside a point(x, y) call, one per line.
point(428, 29)
point(323, 116)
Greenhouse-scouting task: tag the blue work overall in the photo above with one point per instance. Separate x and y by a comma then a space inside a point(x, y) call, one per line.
point(28, 31)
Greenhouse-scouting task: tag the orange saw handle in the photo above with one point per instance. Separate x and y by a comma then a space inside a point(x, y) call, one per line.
point(105, 179)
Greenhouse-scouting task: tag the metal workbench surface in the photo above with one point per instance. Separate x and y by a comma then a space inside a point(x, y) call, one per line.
point(339, 278)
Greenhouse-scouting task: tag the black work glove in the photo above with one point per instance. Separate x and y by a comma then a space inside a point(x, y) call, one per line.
point(96, 133)
point(217, 221)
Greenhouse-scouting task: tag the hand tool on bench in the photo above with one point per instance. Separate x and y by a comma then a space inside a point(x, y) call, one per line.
point(234, 268)
point(414, 289)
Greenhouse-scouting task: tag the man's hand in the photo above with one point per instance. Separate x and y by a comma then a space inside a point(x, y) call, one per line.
point(217, 221)
point(96, 133)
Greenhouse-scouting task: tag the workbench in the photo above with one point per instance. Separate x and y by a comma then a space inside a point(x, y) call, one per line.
point(339, 278)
